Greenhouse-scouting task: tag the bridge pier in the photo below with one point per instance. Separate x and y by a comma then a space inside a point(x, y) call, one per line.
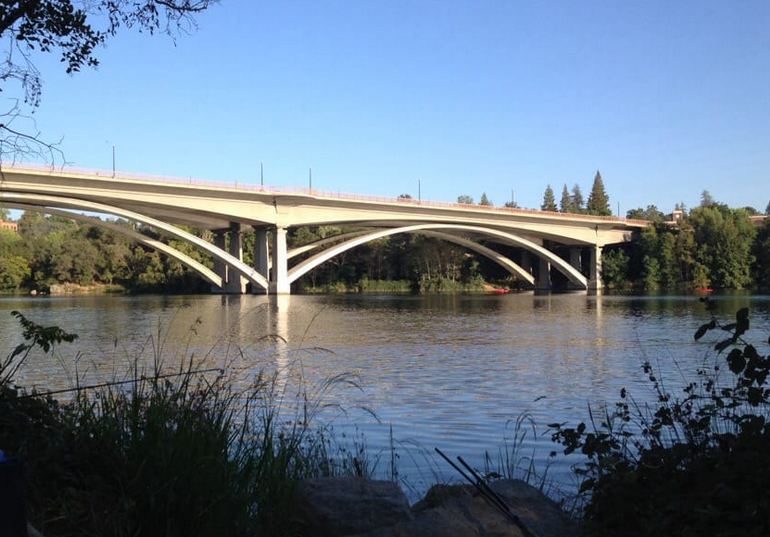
point(236, 284)
point(543, 281)
point(220, 269)
point(279, 281)
point(595, 270)
point(576, 260)
point(261, 253)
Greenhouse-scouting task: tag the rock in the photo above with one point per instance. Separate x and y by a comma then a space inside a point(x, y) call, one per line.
point(335, 507)
point(460, 511)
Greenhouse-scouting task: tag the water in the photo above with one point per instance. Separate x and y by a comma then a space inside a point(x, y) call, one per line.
point(446, 371)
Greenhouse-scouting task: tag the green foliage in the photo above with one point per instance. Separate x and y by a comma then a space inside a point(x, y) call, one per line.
point(696, 464)
point(615, 264)
point(549, 201)
point(485, 200)
point(598, 201)
point(762, 257)
point(724, 239)
point(465, 199)
point(577, 199)
point(14, 271)
point(565, 204)
point(714, 246)
point(651, 213)
point(706, 199)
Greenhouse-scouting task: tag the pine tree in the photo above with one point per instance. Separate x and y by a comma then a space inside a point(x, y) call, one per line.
point(549, 201)
point(565, 205)
point(598, 201)
point(485, 200)
point(577, 199)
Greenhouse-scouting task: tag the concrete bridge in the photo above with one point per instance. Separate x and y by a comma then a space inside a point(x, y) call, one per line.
point(568, 243)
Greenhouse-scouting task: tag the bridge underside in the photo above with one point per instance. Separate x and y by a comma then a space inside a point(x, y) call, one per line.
point(271, 271)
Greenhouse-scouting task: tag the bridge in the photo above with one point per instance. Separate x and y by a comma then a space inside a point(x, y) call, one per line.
point(568, 243)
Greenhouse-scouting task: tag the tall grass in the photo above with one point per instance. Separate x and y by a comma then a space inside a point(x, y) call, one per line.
point(192, 453)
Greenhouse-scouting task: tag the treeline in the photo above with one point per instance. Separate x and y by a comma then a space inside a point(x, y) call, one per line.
point(711, 246)
point(54, 250)
point(50, 250)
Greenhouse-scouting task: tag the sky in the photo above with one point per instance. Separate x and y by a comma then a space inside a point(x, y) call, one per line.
point(665, 98)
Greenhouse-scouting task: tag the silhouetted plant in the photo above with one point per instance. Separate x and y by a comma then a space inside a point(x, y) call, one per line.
point(697, 464)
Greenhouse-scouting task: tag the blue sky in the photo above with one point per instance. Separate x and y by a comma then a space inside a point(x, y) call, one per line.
point(665, 98)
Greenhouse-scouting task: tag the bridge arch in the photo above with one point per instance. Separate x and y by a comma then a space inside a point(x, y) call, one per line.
point(205, 272)
point(440, 230)
point(49, 202)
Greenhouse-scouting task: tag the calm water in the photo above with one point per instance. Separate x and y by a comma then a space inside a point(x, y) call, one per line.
point(446, 371)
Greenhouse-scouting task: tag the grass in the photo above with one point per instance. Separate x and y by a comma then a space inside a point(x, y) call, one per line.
point(183, 453)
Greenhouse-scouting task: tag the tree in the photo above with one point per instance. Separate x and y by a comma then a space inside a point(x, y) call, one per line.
point(565, 205)
point(73, 29)
point(549, 201)
point(511, 204)
point(767, 209)
point(4, 213)
point(577, 199)
point(404, 196)
point(598, 201)
point(724, 240)
point(485, 200)
point(465, 199)
point(651, 213)
point(706, 199)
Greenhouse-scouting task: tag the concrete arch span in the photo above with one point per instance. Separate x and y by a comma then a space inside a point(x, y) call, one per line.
point(500, 236)
point(40, 200)
point(205, 272)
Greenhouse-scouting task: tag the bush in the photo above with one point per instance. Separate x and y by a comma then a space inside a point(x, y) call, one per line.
point(697, 464)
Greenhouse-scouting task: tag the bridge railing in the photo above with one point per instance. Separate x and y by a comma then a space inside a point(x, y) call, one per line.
point(313, 192)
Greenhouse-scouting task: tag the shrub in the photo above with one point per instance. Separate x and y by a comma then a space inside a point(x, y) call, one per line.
point(697, 464)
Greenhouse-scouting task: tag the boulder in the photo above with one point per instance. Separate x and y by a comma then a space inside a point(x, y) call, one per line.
point(334, 507)
point(460, 511)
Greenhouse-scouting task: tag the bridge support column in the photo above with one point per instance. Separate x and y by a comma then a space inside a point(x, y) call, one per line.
point(543, 282)
point(236, 284)
point(261, 252)
point(526, 261)
point(220, 269)
point(595, 275)
point(279, 283)
point(576, 260)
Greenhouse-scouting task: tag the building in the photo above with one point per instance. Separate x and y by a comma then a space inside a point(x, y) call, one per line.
point(12, 226)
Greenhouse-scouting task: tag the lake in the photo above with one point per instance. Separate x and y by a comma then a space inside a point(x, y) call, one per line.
point(453, 372)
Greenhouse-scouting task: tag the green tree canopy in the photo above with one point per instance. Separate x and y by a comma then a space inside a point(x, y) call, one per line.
point(724, 239)
point(465, 199)
point(577, 199)
point(706, 199)
point(598, 201)
point(767, 209)
point(565, 205)
point(651, 213)
point(485, 200)
point(4, 213)
point(549, 201)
